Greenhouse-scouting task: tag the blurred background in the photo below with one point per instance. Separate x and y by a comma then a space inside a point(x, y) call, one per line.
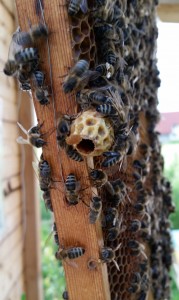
point(14, 225)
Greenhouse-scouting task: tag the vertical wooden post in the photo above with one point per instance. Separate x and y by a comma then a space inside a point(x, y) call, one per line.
point(72, 222)
point(31, 212)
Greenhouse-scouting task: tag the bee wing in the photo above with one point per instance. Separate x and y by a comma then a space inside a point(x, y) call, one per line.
point(88, 76)
point(116, 264)
point(22, 128)
point(47, 240)
point(14, 47)
point(84, 6)
point(21, 140)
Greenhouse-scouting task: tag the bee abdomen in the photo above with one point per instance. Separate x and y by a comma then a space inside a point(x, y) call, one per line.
point(93, 215)
point(75, 252)
point(69, 85)
point(26, 55)
point(73, 154)
point(73, 7)
point(70, 182)
point(106, 109)
point(109, 162)
point(112, 234)
point(39, 78)
point(38, 142)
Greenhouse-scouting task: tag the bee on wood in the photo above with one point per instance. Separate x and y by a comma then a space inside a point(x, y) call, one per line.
point(39, 78)
point(69, 254)
point(76, 5)
point(73, 153)
point(79, 76)
point(136, 248)
point(46, 196)
point(95, 209)
point(25, 86)
point(10, 68)
point(105, 70)
point(33, 136)
point(36, 33)
point(63, 129)
point(72, 187)
point(26, 55)
point(65, 295)
point(55, 234)
point(107, 255)
point(44, 174)
point(42, 95)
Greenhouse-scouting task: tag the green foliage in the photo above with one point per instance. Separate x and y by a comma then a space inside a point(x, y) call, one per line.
point(23, 297)
point(52, 270)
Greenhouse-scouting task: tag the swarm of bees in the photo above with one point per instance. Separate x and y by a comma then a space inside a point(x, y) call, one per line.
point(133, 200)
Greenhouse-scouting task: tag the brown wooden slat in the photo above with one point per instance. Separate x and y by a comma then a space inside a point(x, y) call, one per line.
point(12, 202)
point(168, 12)
point(17, 288)
point(9, 6)
point(13, 238)
point(6, 18)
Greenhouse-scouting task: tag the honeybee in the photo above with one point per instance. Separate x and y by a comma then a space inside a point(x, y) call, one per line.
point(76, 5)
point(135, 283)
point(135, 225)
point(25, 86)
point(39, 78)
point(86, 98)
point(99, 178)
point(44, 174)
point(36, 33)
point(73, 153)
point(107, 255)
point(33, 136)
point(72, 189)
point(26, 55)
point(136, 248)
point(112, 158)
point(113, 232)
point(139, 208)
point(42, 95)
point(105, 70)
point(107, 109)
point(79, 76)
point(10, 68)
point(55, 234)
point(65, 295)
point(46, 196)
point(111, 57)
point(106, 31)
point(110, 217)
point(95, 209)
point(69, 253)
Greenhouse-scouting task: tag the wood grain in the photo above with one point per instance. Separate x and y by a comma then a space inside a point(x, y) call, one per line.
point(72, 222)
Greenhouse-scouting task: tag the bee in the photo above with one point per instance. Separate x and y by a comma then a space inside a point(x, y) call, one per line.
point(107, 110)
point(139, 208)
point(105, 70)
point(110, 217)
point(39, 78)
point(99, 178)
point(72, 189)
point(135, 225)
point(42, 95)
point(136, 248)
point(73, 153)
point(55, 234)
point(85, 98)
point(69, 253)
point(135, 283)
point(113, 232)
point(36, 33)
point(107, 255)
point(65, 295)
point(26, 55)
point(33, 136)
point(46, 196)
point(76, 5)
point(111, 57)
point(106, 31)
point(10, 68)
point(25, 86)
point(95, 209)
point(112, 159)
point(73, 80)
point(44, 175)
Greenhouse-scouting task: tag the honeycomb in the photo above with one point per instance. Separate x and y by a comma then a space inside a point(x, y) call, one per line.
point(148, 199)
point(91, 134)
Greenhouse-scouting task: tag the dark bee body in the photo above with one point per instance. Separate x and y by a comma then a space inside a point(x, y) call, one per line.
point(105, 70)
point(63, 129)
point(65, 295)
point(73, 153)
point(39, 31)
point(98, 177)
point(110, 217)
point(135, 283)
point(135, 225)
point(112, 159)
point(139, 208)
point(46, 196)
point(106, 109)
point(10, 68)
point(86, 98)
point(44, 176)
point(75, 5)
point(95, 209)
point(55, 234)
point(25, 86)
point(111, 58)
point(74, 78)
point(35, 136)
point(107, 254)
point(25, 55)
point(36, 33)
point(72, 189)
point(70, 253)
point(42, 96)
point(39, 78)
point(136, 248)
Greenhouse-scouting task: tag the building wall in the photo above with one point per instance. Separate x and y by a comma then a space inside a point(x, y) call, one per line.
point(11, 212)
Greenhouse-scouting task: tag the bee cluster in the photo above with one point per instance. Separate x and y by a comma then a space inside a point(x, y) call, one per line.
point(115, 78)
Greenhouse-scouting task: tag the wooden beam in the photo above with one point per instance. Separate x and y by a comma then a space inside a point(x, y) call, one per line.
point(72, 222)
point(168, 12)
